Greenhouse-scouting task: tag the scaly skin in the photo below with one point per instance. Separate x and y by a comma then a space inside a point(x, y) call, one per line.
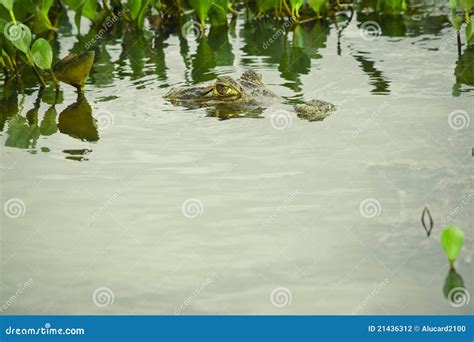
point(228, 97)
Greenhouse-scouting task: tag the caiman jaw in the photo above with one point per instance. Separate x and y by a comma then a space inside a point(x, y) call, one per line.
point(194, 94)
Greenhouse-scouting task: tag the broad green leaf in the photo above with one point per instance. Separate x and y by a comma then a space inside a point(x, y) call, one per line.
point(201, 7)
point(453, 4)
point(8, 4)
point(452, 239)
point(20, 36)
point(42, 54)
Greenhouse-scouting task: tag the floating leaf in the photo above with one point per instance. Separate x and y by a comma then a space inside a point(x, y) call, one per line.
point(452, 239)
point(427, 220)
point(42, 54)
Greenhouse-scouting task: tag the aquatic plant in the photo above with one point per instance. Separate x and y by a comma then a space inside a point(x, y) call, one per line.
point(28, 29)
point(452, 239)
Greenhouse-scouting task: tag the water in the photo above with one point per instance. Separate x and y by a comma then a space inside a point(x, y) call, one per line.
point(174, 211)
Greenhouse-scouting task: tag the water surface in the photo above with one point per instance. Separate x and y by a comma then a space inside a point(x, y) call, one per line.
point(104, 178)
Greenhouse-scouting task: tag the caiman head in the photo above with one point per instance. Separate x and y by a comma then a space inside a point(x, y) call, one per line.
point(246, 90)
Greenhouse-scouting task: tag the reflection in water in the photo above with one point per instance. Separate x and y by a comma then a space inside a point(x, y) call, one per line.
point(464, 70)
point(270, 38)
point(23, 131)
point(377, 79)
point(77, 121)
point(77, 155)
point(454, 290)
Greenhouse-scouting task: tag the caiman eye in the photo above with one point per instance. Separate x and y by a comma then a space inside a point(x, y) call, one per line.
point(223, 89)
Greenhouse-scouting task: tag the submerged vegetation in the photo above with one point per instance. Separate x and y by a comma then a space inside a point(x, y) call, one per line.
point(29, 28)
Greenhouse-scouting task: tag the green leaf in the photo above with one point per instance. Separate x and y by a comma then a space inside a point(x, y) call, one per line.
point(318, 5)
point(452, 239)
point(42, 54)
point(20, 36)
point(218, 12)
point(42, 22)
point(201, 7)
point(470, 31)
point(8, 4)
point(296, 4)
point(134, 6)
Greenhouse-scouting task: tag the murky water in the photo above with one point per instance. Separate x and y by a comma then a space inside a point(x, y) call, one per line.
point(128, 204)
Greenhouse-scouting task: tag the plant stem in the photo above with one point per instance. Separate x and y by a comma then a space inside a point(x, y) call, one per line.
point(55, 80)
point(38, 75)
point(12, 15)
